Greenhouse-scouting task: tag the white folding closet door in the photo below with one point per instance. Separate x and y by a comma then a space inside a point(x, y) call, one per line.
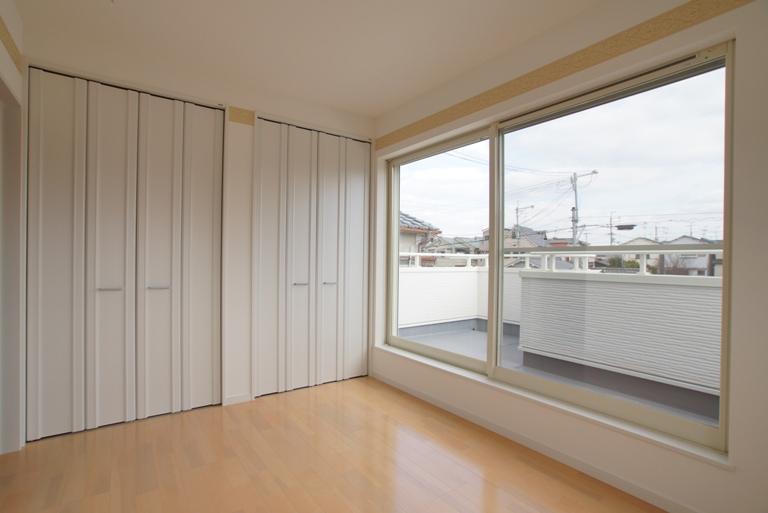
point(201, 256)
point(110, 255)
point(158, 290)
point(330, 232)
point(357, 163)
point(268, 287)
point(300, 334)
point(56, 255)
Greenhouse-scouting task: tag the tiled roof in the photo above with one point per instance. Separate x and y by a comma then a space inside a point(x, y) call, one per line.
point(414, 223)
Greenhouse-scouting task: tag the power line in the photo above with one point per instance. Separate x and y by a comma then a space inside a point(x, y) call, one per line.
point(510, 167)
point(657, 215)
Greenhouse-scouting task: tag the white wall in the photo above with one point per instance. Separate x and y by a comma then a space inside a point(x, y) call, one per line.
point(674, 476)
point(581, 31)
point(236, 263)
point(11, 240)
point(188, 80)
point(9, 73)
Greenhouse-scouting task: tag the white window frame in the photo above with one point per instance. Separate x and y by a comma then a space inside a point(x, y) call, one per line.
point(701, 432)
point(393, 206)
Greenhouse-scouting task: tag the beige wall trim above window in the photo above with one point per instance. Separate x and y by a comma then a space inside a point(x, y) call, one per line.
point(10, 46)
point(670, 22)
point(242, 116)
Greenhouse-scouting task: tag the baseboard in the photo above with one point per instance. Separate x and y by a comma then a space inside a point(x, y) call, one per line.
point(606, 477)
point(234, 399)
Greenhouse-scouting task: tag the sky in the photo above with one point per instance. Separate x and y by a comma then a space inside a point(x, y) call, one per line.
point(658, 155)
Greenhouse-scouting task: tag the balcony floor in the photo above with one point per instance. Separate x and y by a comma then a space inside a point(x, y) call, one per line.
point(469, 338)
point(472, 343)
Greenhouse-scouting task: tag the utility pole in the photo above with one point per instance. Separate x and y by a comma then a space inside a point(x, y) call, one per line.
point(518, 208)
point(610, 227)
point(575, 209)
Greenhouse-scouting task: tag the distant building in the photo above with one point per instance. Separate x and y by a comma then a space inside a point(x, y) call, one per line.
point(518, 237)
point(686, 264)
point(640, 241)
point(464, 245)
point(415, 233)
point(692, 264)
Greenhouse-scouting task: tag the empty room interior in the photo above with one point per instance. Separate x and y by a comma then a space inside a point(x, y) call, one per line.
point(427, 256)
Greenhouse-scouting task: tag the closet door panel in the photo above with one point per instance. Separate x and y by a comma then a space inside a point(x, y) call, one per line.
point(201, 344)
point(111, 250)
point(268, 287)
point(56, 255)
point(158, 337)
point(356, 260)
point(302, 154)
point(329, 257)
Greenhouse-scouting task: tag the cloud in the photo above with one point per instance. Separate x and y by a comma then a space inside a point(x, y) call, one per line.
point(659, 156)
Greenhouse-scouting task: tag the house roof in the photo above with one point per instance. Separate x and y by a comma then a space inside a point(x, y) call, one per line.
point(683, 239)
point(462, 243)
point(687, 239)
point(410, 223)
point(638, 241)
point(538, 239)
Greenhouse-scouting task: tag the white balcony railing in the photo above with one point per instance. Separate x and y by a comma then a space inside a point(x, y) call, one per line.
point(659, 326)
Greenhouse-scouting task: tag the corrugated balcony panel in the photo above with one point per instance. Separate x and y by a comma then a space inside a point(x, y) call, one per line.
point(668, 332)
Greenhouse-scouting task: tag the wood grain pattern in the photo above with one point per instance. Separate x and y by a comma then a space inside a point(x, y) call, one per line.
point(661, 26)
point(357, 446)
point(243, 116)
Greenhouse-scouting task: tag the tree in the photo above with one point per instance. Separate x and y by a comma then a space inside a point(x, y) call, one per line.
point(616, 262)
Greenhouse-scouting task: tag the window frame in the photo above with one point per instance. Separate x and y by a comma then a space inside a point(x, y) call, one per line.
point(393, 209)
point(604, 405)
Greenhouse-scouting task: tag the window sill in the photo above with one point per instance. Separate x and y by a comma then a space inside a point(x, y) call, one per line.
point(684, 447)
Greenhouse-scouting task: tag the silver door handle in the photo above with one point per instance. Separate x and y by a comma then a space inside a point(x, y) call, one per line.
point(298, 284)
point(329, 283)
point(109, 289)
point(153, 287)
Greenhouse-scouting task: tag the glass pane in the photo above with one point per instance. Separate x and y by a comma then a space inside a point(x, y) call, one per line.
point(443, 247)
point(644, 170)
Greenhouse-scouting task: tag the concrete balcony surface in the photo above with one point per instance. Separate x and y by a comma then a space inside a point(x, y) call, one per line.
point(651, 338)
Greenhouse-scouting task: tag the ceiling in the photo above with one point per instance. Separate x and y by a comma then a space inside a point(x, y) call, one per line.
point(358, 56)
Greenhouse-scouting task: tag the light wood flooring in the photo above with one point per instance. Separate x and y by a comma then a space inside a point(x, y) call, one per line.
point(355, 446)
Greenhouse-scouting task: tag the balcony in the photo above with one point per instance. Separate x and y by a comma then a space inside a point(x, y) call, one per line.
point(654, 338)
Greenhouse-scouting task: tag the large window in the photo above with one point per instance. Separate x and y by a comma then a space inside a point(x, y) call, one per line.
point(442, 245)
point(598, 276)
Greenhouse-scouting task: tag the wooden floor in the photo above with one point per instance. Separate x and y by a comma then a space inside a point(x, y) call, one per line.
point(355, 446)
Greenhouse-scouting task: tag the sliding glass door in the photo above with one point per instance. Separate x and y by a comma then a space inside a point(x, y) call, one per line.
point(581, 250)
point(441, 234)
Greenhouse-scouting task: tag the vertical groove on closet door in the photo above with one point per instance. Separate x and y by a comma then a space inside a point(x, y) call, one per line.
point(110, 255)
point(176, 267)
point(341, 251)
point(218, 165)
point(158, 256)
point(268, 211)
point(282, 287)
point(55, 297)
point(301, 231)
point(78, 261)
point(201, 256)
point(312, 339)
point(329, 229)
